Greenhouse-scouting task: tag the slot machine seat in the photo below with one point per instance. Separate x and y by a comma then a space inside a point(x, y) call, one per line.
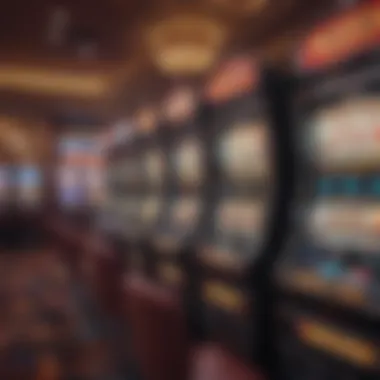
point(211, 362)
point(158, 328)
point(102, 271)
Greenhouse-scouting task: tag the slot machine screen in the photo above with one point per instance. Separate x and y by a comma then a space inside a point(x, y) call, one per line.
point(96, 186)
point(150, 210)
point(131, 210)
point(154, 166)
point(244, 152)
point(29, 186)
point(239, 229)
point(81, 172)
point(72, 187)
point(5, 184)
point(130, 171)
point(185, 214)
point(346, 135)
point(189, 162)
point(95, 176)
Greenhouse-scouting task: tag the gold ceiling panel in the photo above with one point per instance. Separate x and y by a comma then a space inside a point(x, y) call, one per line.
point(53, 82)
point(244, 8)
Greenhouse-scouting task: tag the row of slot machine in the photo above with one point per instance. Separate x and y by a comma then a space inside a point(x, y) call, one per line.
point(193, 192)
point(80, 172)
point(79, 178)
point(332, 253)
point(20, 186)
point(258, 196)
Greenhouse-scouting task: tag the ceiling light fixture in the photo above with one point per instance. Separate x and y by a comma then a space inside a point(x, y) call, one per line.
point(185, 44)
point(242, 7)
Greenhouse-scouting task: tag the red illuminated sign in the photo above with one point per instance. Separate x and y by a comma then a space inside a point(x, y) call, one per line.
point(342, 37)
point(234, 78)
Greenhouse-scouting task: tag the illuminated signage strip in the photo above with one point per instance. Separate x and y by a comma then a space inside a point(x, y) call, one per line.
point(342, 37)
point(225, 297)
point(342, 344)
point(221, 259)
point(310, 283)
point(307, 282)
point(170, 274)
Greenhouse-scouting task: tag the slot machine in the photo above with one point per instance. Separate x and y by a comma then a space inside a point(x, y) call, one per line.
point(5, 187)
point(29, 199)
point(78, 177)
point(71, 195)
point(114, 229)
point(29, 188)
point(26, 142)
point(186, 157)
point(153, 192)
point(6, 194)
point(328, 276)
point(153, 288)
point(238, 247)
point(127, 185)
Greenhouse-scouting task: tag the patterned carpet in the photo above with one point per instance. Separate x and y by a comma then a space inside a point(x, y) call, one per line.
point(49, 329)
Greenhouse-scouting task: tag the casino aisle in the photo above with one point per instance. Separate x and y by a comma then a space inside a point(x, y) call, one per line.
point(49, 328)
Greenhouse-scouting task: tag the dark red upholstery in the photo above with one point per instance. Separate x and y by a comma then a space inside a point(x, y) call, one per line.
point(212, 362)
point(102, 271)
point(158, 328)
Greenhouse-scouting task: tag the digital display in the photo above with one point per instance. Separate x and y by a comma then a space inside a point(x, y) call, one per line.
point(244, 152)
point(346, 135)
point(5, 184)
point(154, 164)
point(240, 217)
point(345, 225)
point(238, 233)
point(130, 171)
point(29, 185)
point(72, 187)
point(131, 211)
point(95, 183)
point(189, 162)
point(81, 171)
point(150, 210)
point(186, 212)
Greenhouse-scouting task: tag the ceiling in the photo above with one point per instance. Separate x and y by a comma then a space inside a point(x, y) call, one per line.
point(90, 57)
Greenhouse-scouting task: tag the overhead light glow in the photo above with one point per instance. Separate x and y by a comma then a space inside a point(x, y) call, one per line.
point(184, 45)
point(243, 7)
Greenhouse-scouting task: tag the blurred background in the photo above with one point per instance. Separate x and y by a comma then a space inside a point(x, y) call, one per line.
point(190, 189)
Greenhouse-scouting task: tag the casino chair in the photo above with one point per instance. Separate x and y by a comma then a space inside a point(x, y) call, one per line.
point(158, 327)
point(210, 361)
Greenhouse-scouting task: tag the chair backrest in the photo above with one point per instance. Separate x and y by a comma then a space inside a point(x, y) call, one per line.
point(212, 362)
point(158, 326)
